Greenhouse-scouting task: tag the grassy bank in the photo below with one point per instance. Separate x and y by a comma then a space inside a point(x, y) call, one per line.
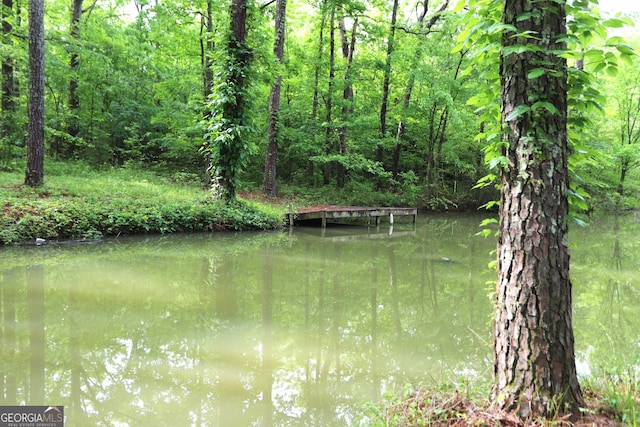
point(612, 399)
point(80, 202)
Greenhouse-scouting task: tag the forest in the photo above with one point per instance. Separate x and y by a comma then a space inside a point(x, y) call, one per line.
point(144, 113)
point(377, 102)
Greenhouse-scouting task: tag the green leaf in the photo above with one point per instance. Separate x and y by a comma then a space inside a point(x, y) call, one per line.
point(546, 105)
point(490, 205)
point(525, 16)
point(613, 23)
point(599, 67)
point(594, 55)
point(520, 48)
point(625, 49)
point(627, 58)
point(535, 73)
point(615, 40)
point(488, 221)
point(485, 181)
point(497, 161)
point(517, 112)
point(459, 6)
point(474, 100)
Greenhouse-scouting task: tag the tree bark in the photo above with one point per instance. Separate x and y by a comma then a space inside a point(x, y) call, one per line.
point(534, 365)
point(348, 47)
point(206, 61)
point(239, 20)
point(270, 165)
point(73, 102)
point(34, 175)
point(386, 82)
point(8, 87)
point(316, 85)
point(206, 49)
point(326, 171)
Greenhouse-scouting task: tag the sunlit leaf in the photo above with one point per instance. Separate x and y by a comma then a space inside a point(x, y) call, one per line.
point(517, 112)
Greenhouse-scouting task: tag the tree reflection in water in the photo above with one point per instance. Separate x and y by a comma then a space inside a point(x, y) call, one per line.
point(283, 328)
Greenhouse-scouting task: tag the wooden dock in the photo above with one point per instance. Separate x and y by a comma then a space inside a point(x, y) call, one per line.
point(325, 213)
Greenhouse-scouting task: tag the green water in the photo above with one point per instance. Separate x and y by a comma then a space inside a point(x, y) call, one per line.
point(300, 327)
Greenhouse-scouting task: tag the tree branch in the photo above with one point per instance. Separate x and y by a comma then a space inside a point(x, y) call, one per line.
point(430, 23)
point(89, 9)
point(266, 5)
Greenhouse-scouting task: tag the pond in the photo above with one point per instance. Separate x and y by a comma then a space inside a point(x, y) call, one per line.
point(296, 327)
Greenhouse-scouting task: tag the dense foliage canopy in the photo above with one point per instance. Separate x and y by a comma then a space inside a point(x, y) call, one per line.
point(386, 113)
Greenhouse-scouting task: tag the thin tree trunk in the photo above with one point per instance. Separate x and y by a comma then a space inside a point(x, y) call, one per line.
point(386, 82)
point(326, 175)
point(34, 175)
point(628, 135)
point(73, 101)
point(8, 88)
point(348, 47)
point(623, 175)
point(437, 138)
point(206, 49)
point(534, 365)
point(316, 85)
point(417, 57)
point(441, 136)
point(270, 165)
point(431, 147)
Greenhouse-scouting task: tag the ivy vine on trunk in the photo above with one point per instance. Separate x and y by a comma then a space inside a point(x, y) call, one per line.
point(228, 126)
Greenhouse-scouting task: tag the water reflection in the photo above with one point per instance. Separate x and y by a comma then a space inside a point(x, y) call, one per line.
point(607, 296)
point(275, 329)
point(35, 304)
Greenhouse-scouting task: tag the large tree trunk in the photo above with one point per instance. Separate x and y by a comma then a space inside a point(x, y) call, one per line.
point(269, 182)
point(230, 152)
point(534, 364)
point(34, 175)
